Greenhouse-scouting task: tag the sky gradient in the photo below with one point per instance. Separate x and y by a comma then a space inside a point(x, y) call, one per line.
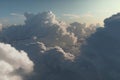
point(84, 11)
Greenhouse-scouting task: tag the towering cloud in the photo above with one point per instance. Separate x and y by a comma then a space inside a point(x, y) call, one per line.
point(103, 49)
point(13, 63)
point(45, 27)
point(52, 45)
point(112, 26)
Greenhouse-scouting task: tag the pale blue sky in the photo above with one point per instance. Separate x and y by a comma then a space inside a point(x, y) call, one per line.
point(89, 11)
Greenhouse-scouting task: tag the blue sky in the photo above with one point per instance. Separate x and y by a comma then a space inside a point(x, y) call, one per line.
point(88, 11)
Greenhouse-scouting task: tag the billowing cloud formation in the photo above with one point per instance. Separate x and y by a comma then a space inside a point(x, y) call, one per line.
point(52, 62)
point(112, 21)
point(81, 30)
point(13, 63)
point(56, 64)
point(103, 49)
point(53, 46)
point(45, 27)
point(112, 26)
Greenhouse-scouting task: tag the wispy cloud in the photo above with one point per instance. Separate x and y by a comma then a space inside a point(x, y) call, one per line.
point(76, 16)
point(72, 16)
point(88, 15)
point(17, 14)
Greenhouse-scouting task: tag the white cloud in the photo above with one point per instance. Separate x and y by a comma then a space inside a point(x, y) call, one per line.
point(16, 14)
point(72, 16)
point(12, 60)
point(79, 16)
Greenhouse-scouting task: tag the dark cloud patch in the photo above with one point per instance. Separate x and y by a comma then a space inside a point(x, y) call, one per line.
point(103, 49)
point(112, 21)
point(55, 63)
point(112, 26)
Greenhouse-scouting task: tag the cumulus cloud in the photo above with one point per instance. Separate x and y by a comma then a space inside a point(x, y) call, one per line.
point(112, 25)
point(44, 26)
point(49, 27)
point(52, 45)
point(103, 48)
point(54, 62)
point(13, 63)
point(57, 64)
point(81, 30)
point(51, 61)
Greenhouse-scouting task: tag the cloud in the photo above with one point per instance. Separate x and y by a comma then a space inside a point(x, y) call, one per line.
point(51, 61)
point(72, 16)
point(52, 45)
point(58, 64)
point(16, 14)
point(102, 49)
point(112, 26)
point(54, 62)
point(13, 63)
point(81, 30)
point(44, 26)
point(76, 16)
